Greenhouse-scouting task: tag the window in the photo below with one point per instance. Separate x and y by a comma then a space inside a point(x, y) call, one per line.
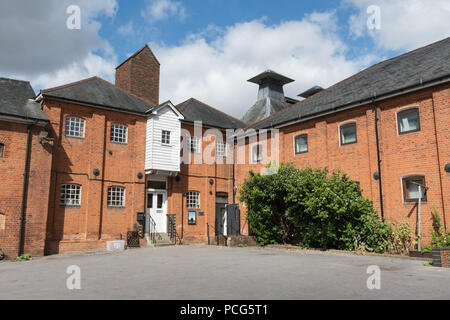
point(2, 150)
point(70, 195)
point(194, 143)
point(119, 133)
point(116, 197)
point(75, 127)
point(221, 149)
point(193, 200)
point(257, 153)
point(301, 144)
point(411, 188)
point(408, 121)
point(165, 139)
point(348, 133)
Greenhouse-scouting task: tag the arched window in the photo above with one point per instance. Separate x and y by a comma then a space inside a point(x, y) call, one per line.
point(408, 120)
point(193, 200)
point(119, 133)
point(348, 133)
point(70, 195)
point(75, 127)
point(116, 197)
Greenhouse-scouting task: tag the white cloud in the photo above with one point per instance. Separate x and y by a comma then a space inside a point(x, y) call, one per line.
point(45, 51)
point(217, 71)
point(126, 29)
point(405, 24)
point(157, 10)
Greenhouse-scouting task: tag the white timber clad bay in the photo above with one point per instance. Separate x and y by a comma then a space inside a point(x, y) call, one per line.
point(163, 154)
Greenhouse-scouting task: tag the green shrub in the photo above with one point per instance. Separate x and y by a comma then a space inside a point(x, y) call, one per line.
point(24, 257)
point(312, 208)
point(439, 238)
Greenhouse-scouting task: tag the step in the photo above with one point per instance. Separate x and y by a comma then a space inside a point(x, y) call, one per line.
point(161, 239)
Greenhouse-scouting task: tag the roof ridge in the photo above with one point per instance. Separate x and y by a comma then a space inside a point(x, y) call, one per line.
point(227, 115)
point(138, 52)
point(68, 84)
point(348, 78)
point(16, 80)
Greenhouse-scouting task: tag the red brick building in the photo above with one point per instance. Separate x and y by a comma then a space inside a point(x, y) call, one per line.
point(81, 161)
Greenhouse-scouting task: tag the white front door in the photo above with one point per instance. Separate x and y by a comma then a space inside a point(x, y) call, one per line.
point(157, 209)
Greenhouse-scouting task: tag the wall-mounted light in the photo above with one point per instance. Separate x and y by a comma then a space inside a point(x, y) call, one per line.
point(447, 167)
point(140, 175)
point(211, 182)
point(96, 172)
point(177, 178)
point(376, 175)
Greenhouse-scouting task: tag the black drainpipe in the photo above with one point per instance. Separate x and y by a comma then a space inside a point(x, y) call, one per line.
point(379, 161)
point(24, 193)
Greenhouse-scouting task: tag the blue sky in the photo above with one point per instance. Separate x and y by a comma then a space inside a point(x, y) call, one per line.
point(208, 49)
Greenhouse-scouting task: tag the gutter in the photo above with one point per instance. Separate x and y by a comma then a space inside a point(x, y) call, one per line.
point(24, 193)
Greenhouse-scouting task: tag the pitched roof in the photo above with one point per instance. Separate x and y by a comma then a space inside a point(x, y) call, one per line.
point(137, 53)
point(195, 110)
point(98, 92)
point(17, 100)
point(272, 75)
point(264, 108)
point(412, 69)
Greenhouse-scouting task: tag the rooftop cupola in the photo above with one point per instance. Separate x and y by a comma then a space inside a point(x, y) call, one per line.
point(271, 97)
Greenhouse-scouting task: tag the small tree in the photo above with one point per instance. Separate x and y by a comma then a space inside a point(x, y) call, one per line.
point(312, 208)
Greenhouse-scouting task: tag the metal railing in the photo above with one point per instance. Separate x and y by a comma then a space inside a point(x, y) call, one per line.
point(151, 229)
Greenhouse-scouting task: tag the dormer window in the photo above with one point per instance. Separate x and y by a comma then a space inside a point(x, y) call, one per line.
point(119, 134)
point(75, 127)
point(221, 149)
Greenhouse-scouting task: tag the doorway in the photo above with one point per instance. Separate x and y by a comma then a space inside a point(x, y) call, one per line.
point(157, 209)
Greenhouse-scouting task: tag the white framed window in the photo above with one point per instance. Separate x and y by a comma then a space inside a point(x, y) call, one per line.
point(2, 150)
point(116, 197)
point(257, 155)
point(301, 143)
point(221, 149)
point(348, 133)
point(165, 137)
point(195, 144)
point(70, 195)
point(75, 127)
point(119, 133)
point(408, 120)
point(193, 200)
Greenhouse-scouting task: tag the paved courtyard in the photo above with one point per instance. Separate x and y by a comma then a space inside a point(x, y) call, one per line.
point(201, 272)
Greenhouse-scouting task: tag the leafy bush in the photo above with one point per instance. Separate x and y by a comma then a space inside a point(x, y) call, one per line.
point(439, 238)
point(2, 255)
point(24, 257)
point(312, 208)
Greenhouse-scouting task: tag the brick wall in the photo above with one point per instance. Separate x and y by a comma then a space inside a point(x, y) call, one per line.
point(425, 152)
point(12, 165)
point(89, 225)
point(195, 177)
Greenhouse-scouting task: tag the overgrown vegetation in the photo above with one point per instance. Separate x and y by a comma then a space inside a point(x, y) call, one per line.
point(24, 257)
point(2, 255)
point(315, 209)
point(439, 238)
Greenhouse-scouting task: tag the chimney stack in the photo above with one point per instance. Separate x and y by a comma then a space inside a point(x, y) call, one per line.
point(139, 75)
